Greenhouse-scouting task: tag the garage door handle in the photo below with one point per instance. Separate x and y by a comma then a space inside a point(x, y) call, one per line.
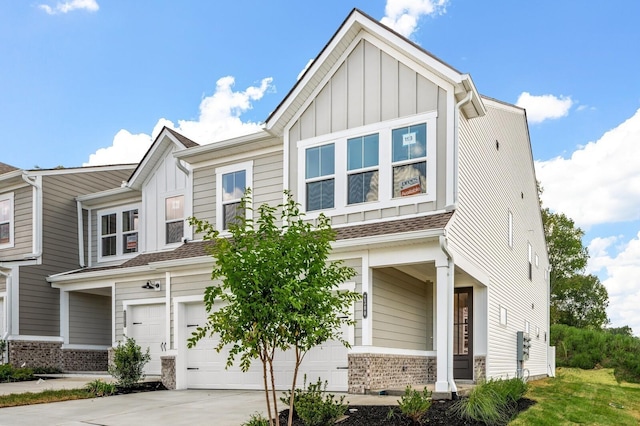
point(137, 323)
point(342, 368)
point(192, 325)
point(193, 368)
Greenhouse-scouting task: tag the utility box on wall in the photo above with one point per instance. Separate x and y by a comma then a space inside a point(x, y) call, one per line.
point(524, 344)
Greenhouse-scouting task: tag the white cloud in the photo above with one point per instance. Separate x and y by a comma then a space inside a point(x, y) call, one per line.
point(544, 107)
point(622, 282)
point(403, 15)
point(600, 182)
point(219, 119)
point(69, 6)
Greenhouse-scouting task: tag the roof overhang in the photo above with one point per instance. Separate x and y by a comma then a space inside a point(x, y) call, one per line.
point(241, 144)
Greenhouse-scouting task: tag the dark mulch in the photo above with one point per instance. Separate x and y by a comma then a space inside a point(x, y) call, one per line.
point(141, 387)
point(378, 415)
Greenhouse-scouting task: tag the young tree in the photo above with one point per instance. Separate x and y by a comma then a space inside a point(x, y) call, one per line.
point(278, 289)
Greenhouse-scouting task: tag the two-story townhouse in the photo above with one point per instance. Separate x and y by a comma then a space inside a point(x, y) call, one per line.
point(429, 185)
point(39, 237)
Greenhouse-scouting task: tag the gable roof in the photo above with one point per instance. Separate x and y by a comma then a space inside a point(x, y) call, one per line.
point(153, 154)
point(6, 168)
point(350, 30)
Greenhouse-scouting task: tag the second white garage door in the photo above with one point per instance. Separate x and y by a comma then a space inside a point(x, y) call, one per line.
point(206, 367)
point(146, 324)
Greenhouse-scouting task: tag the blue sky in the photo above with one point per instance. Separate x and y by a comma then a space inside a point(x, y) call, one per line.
point(92, 81)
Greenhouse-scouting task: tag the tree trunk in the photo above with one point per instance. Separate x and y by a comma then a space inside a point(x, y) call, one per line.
point(266, 389)
point(273, 387)
point(293, 387)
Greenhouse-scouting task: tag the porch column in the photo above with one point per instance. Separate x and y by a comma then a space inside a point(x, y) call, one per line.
point(444, 356)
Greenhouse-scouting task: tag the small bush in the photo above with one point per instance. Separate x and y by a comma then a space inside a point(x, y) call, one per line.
point(8, 373)
point(310, 406)
point(415, 404)
point(46, 370)
point(128, 363)
point(257, 419)
point(100, 388)
point(493, 402)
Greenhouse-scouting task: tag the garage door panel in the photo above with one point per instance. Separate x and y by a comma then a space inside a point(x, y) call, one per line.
point(147, 328)
point(206, 367)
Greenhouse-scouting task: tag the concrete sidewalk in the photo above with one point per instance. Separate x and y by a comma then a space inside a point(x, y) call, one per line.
point(183, 407)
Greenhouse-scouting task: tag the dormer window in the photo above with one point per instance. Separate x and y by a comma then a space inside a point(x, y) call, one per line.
point(174, 219)
point(6, 220)
point(118, 232)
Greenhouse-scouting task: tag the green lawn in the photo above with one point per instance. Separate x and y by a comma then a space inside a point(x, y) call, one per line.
point(28, 398)
point(574, 396)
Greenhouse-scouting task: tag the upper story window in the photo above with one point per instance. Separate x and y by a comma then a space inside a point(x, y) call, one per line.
point(6, 220)
point(320, 177)
point(233, 186)
point(231, 183)
point(174, 219)
point(409, 160)
point(382, 163)
point(362, 169)
point(118, 232)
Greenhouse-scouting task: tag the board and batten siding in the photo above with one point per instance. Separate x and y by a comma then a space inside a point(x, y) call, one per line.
point(372, 86)
point(267, 185)
point(496, 176)
point(89, 319)
point(38, 301)
point(401, 315)
point(22, 224)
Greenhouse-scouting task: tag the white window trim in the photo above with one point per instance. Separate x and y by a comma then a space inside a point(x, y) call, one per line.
point(247, 166)
point(503, 316)
point(10, 197)
point(119, 234)
point(164, 220)
point(385, 167)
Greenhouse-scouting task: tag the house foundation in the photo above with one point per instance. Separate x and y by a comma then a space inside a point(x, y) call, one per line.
point(51, 355)
point(375, 372)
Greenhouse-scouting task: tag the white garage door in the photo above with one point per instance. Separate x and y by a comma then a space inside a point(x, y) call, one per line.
point(206, 367)
point(146, 324)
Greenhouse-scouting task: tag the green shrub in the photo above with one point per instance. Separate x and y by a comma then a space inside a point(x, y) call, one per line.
point(99, 387)
point(8, 373)
point(46, 370)
point(257, 419)
point(314, 406)
point(414, 404)
point(493, 402)
point(128, 363)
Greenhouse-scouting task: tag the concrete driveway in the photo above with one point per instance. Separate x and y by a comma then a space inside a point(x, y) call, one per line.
point(183, 407)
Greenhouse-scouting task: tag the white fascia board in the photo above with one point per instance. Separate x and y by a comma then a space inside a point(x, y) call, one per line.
point(84, 276)
point(191, 155)
point(387, 239)
point(11, 175)
point(78, 170)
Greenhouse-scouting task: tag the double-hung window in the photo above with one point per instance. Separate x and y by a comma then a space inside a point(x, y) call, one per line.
point(174, 219)
point(6, 220)
point(409, 146)
point(320, 177)
point(118, 232)
point(233, 186)
point(231, 183)
point(362, 169)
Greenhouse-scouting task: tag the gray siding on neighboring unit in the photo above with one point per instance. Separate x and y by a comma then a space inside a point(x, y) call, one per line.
point(3, 284)
point(369, 87)
point(89, 319)
point(497, 177)
point(22, 224)
point(401, 315)
point(39, 303)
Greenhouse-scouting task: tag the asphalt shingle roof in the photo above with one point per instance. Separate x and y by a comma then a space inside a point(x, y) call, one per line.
point(6, 168)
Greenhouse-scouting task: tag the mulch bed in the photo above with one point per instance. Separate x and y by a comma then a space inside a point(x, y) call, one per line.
point(378, 415)
point(141, 387)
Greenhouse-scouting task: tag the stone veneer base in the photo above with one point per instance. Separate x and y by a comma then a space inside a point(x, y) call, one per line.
point(374, 372)
point(168, 368)
point(51, 355)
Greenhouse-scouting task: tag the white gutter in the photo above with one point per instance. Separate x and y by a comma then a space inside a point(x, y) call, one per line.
point(443, 246)
point(453, 202)
point(182, 167)
point(80, 234)
point(37, 221)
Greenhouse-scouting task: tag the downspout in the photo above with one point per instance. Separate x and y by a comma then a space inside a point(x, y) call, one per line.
point(456, 113)
point(80, 234)
point(443, 246)
point(182, 167)
point(37, 226)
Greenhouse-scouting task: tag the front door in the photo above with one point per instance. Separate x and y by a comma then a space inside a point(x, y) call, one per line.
point(463, 333)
